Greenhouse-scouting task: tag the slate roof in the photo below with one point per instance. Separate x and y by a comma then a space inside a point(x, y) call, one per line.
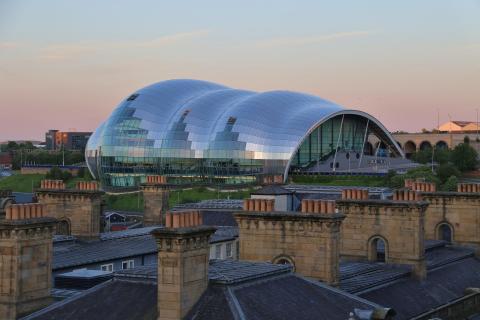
point(70, 252)
point(247, 290)
point(224, 233)
point(115, 299)
point(218, 218)
point(272, 189)
point(23, 197)
point(128, 233)
point(285, 296)
point(219, 271)
point(82, 253)
point(410, 297)
point(233, 204)
point(358, 277)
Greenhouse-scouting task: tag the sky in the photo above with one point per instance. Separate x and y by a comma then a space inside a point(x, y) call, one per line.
point(67, 64)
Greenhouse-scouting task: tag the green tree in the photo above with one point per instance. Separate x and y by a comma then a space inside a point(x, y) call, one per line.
point(55, 173)
point(423, 156)
point(441, 155)
point(446, 171)
point(12, 145)
point(450, 184)
point(464, 157)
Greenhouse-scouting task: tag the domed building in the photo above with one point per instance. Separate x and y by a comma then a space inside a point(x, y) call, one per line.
point(200, 132)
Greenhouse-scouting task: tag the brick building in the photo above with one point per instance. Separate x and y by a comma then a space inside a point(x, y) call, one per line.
point(69, 140)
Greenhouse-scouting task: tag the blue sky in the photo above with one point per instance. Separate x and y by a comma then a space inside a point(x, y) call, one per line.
point(393, 59)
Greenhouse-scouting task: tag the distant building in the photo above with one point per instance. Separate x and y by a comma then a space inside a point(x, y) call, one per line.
point(5, 160)
point(56, 140)
point(195, 131)
point(459, 126)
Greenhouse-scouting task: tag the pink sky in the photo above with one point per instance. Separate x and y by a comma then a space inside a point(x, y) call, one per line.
point(69, 79)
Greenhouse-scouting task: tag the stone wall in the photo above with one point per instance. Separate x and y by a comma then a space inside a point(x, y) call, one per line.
point(183, 259)
point(310, 242)
point(459, 210)
point(155, 199)
point(78, 211)
point(25, 262)
point(400, 224)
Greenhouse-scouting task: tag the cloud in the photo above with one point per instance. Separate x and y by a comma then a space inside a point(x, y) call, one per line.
point(8, 45)
point(169, 39)
point(300, 41)
point(66, 51)
point(58, 52)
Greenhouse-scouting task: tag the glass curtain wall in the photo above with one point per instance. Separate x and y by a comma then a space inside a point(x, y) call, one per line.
point(321, 143)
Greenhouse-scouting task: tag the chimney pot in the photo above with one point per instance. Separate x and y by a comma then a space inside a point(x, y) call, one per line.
point(176, 220)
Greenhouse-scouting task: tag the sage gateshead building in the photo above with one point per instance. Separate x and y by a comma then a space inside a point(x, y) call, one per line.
point(200, 132)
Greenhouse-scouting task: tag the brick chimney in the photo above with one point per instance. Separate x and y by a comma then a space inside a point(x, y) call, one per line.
point(155, 199)
point(183, 260)
point(25, 260)
point(468, 187)
point(78, 210)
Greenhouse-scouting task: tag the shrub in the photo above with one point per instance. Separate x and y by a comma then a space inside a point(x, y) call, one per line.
point(451, 184)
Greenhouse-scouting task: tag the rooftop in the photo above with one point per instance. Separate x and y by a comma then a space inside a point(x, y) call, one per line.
point(212, 204)
point(237, 290)
point(71, 252)
point(272, 189)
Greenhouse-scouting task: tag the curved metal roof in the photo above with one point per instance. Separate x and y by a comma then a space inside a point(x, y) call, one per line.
point(199, 119)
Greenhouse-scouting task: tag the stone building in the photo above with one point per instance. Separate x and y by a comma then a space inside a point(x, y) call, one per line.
point(308, 241)
point(78, 210)
point(25, 260)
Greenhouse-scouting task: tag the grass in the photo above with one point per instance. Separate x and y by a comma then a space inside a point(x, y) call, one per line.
point(352, 181)
point(125, 202)
point(27, 182)
point(134, 201)
point(21, 182)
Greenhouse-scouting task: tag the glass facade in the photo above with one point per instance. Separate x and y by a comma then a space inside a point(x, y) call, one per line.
point(200, 132)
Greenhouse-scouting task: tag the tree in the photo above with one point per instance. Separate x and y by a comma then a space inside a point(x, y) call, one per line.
point(422, 156)
point(55, 174)
point(466, 139)
point(446, 171)
point(451, 184)
point(12, 145)
point(464, 157)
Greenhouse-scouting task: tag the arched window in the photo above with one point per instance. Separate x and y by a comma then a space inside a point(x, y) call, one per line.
point(378, 249)
point(63, 228)
point(441, 145)
point(283, 259)
point(410, 147)
point(445, 232)
point(425, 145)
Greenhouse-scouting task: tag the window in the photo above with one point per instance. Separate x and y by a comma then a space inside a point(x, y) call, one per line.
point(231, 120)
point(218, 251)
point(129, 264)
point(229, 250)
point(107, 267)
point(132, 97)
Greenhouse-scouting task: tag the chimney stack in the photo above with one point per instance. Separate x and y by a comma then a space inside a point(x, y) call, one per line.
point(260, 205)
point(318, 206)
point(155, 198)
point(78, 210)
point(183, 260)
point(26, 260)
point(406, 195)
